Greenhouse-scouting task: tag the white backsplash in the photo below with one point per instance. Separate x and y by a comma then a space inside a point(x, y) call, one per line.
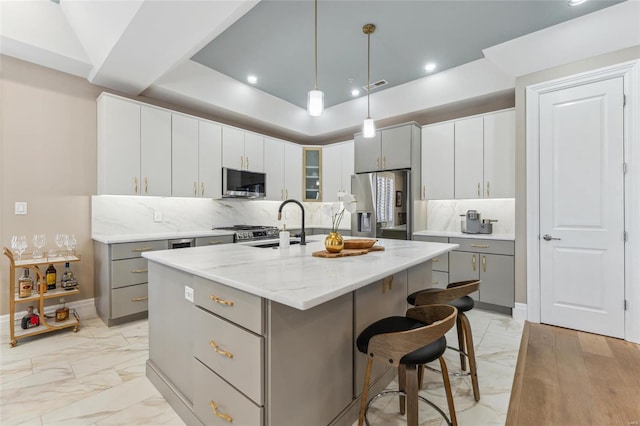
point(444, 215)
point(124, 215)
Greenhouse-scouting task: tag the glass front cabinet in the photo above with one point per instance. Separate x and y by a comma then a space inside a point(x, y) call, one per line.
point(312, 174)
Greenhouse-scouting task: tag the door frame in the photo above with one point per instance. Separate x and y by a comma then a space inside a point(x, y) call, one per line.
point(630, 72)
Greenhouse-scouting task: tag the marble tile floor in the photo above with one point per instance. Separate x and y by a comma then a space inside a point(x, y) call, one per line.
point(96, 377)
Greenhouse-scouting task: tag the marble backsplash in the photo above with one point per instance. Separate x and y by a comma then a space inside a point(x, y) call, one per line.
point(444, 215)
point(124, 215)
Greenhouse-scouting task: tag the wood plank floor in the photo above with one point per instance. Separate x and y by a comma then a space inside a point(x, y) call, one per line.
point(567, 377)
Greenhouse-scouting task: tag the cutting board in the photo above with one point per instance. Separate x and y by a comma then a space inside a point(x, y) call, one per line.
point(346, 252)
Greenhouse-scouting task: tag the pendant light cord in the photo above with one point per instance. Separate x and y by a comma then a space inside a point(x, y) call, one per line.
point(316, 45)
point(368, 74)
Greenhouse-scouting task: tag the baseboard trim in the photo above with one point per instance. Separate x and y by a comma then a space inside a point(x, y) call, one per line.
point(85, 308)
point(519, 312)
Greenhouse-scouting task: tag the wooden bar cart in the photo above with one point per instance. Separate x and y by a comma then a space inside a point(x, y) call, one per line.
point(38, 295)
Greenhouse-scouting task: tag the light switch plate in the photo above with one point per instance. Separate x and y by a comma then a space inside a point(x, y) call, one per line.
point(157, 216)
point(188, 293)
point(21, 207)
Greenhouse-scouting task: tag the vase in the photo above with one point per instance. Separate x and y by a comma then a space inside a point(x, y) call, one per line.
point(334, 243)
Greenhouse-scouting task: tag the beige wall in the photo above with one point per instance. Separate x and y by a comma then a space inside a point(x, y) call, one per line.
point(521, 84)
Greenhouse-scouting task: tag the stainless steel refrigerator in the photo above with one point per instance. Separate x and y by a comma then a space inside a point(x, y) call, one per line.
point(383, 202)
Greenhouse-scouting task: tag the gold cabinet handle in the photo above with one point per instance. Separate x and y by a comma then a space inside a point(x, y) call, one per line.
point(195, 189)
point(473, 262)
point(480, 245)
point(227, 418)
point(221, 301)
point(377, 162)
point(146, 185)
point(435, 282)
point(484, 263)
point(488, 193)
point(241, 162)
point(424, 191)
point(141, 249)
point(387, 285)
point(135, 184)
point(140, 299)
point(384, 161)
point(247, 158)
point(282, 194)
point(478, 189)
point(213, 243)
point(202, 189)
point(391, 283)
point(216, 348)
point(139, 271)
point(436, 260)
point(286, 192)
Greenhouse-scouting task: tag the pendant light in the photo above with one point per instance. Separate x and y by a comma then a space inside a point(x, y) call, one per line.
point(315, 97)
point(368, 127)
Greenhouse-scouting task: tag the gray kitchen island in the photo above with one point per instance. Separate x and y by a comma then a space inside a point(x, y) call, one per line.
point(253, 336)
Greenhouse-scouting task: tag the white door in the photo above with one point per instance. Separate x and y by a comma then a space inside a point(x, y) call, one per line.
point(581, 208)
point(233, 148)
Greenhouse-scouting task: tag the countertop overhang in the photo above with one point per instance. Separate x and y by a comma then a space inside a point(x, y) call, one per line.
point(293, 276)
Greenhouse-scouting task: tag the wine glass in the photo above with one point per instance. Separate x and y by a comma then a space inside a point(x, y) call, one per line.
point(19, 244)
point(60, 238)
point(39, 241)
point(71, 242)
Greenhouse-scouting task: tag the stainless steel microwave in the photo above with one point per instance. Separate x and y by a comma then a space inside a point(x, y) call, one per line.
point(242, 184)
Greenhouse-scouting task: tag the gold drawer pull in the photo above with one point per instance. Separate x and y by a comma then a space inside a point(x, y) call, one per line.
point(220, 301)
point(140, 299)
point(227, 418)
point(480, 245)
point(138, 250)
point(220, 351)
point(139, 271)
point(473, 262)
point(213, 243)
point(146, 185)
point(435, 260)
point(484, 263)
point(135, 184)
point(435, 282)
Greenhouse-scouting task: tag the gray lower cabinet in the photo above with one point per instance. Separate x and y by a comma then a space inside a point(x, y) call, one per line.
point(120, 280)
point(214, 241)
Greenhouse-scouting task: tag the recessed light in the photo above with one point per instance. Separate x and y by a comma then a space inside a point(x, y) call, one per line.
point(252, 79)
point(355, 92)
point(430, 67)
point(576, 2)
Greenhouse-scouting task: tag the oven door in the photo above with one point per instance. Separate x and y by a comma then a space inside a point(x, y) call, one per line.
point(182, 243)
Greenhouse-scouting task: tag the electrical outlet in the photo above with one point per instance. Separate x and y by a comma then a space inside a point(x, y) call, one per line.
point(188, 293)
point(21, 207)
point(157, 216)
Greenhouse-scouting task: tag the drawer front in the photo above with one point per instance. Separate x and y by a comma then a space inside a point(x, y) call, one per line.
point(440, 279)
point(211, 389)
point(441, 263)
point(237, 306)
point(129, 300)
point(431, 239)
point(130, 250)
point(126, 272)
point(213, 241)
point(484, 246)
point(234, 353)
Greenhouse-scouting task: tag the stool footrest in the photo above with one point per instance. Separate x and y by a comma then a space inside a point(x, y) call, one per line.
point(451, 373)
point(397, 392)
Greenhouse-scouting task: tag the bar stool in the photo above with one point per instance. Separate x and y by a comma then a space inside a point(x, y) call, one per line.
point(456, 294)
point(406, 342)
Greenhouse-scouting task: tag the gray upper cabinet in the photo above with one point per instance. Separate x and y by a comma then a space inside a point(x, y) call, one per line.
point(390, 149)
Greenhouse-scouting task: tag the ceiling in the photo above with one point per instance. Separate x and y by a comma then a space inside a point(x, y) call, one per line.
point(155, 50)
point(275, 41)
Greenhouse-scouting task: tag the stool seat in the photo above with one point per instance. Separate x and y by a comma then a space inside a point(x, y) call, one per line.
point(420, 356)
point(463, 304)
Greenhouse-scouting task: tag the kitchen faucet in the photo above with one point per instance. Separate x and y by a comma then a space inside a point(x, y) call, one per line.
point(302, 240)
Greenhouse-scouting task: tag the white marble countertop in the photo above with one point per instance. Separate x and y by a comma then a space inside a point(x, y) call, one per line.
point(428, 233)
point(293, 276)
point(132, 238)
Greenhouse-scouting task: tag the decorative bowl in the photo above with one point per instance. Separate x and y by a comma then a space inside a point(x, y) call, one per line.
point(359, 243)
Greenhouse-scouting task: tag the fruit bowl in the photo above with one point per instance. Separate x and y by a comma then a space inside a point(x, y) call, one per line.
point(359, 243)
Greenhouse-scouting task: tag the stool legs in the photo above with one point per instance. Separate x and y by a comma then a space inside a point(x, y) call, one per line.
point(460, 330)
point(447, 389)
point(402, 380)
point(472, 354)
point(363, 403)
point(412, 395)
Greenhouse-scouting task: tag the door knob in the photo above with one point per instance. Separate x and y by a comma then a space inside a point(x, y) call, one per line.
point(548, 237)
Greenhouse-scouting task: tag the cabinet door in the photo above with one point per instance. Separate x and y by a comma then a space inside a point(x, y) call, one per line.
point(209, 159)
point(254, 152)
point(367, 153)
point(464, 266)
point(469, 158)
point(347, 166)
point(292, 171)
point(396, 148)
point(312, 176)
point(499, 154)
point(331, 172)
point(184, 156)
point(118, 147)
point(497, 275)
point(155, 151)
point(273, 167)
point(232, 148)
point(372, 303)
point(437, 162)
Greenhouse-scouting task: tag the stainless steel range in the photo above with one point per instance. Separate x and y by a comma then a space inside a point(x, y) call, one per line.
point(252, 233)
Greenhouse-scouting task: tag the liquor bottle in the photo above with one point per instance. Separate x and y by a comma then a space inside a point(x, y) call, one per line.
point(68, 282)
point(50, 277)
point(30, 320)
point(25, 284)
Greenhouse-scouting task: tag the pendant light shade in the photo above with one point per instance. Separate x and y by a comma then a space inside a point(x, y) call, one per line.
point(315, 97)
point(369, 126)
